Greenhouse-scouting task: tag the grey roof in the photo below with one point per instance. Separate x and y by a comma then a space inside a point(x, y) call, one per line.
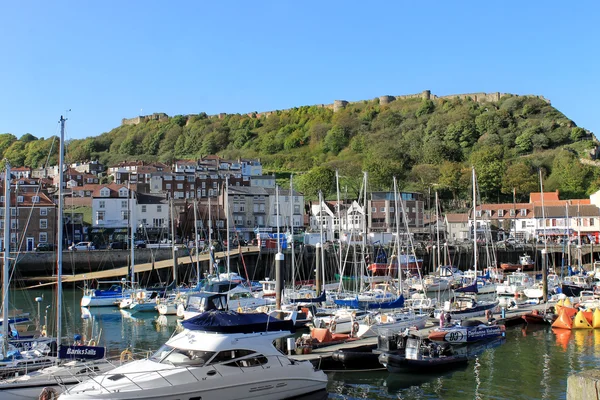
point(247, 190)
point(282, 192)
point(143, 198)
point(560, 211)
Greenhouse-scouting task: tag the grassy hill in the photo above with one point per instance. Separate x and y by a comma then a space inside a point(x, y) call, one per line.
point(424, 143)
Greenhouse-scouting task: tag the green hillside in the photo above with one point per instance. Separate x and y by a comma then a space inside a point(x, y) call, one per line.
point(424, 143)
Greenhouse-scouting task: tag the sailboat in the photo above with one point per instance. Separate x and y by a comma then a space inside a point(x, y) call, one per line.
point(73, 362)
point(465, 304)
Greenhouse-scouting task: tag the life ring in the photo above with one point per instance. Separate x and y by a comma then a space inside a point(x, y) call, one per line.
point(48, 393)
point(126, 355)
point(332, 326)
point(355, 327)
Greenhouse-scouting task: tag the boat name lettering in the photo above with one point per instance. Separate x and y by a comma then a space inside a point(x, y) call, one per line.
point(80, 352)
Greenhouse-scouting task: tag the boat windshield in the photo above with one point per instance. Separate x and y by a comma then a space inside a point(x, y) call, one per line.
point(170, 355)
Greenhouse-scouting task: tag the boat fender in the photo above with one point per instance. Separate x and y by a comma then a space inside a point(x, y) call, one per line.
point(48, 393)
point(240, 309)
point(355, 327)
point(307, 296)
point(92, 342)
point(157, 300)
point(332, 326)
point(126, 355)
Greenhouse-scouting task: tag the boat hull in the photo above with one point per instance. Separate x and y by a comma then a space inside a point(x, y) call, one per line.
point(397, 363)
point(99, 301)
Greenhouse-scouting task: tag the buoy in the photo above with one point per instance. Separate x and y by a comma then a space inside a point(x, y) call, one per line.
point(560, 303)
point(565, 318)
point(568, 303)
point(580, 321)
point(596, 318)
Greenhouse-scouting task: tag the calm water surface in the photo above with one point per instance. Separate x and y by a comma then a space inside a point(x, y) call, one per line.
point(532, 364)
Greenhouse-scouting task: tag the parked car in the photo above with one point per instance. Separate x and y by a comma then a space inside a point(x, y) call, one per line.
point(82, 246)
point(45, 247)
point(118, 246)
point(140, 244)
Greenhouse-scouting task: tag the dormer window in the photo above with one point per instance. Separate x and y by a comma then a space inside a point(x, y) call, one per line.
point(19, 199)
point(123, 192)
point(523, 212)
point(479, 213)
point(35, 199)
point(501, 213)
point(104, 192)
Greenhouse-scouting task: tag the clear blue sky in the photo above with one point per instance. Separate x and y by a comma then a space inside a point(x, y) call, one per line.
point(107, 60)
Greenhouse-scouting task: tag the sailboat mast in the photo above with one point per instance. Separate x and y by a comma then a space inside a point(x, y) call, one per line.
point(59, 239)
point(173, 251)
point(227, 218)
point(474, 223)
point(437, 229)
point(277, 217)
point(210, 246)
point(6, 261)
point(196, 239)
point(292, 231)
point(339, 218)
point(322, 266)
point(397, 217)
point(131, 241)
point(364, 232)
point(568, 225)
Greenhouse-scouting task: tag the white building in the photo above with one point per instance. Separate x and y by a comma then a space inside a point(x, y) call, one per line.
point(111, 205)
point(291, 208)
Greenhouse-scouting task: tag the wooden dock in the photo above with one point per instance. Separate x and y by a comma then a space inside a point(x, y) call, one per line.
point(320, 354)
point(124, 271)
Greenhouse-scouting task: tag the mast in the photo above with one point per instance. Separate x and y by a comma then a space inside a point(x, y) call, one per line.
point(210, 246)
point(437, 229)
point(59, 240)
point(364, 235)
point(397, 215)
point(568, 224)
point(339, 218)
point(173, 251)
point(131, 241)
point(545, 251)
point(474, 223)
point(196, 239)
point(5, 264)
point(277, 217)
point(321, 267)
point(292, 231)
point(227, 218)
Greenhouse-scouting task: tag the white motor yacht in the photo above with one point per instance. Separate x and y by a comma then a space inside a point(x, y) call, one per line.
point(219, 355)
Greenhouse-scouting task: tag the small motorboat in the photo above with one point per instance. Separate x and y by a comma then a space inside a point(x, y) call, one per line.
point(468, 331)
point(540, 317)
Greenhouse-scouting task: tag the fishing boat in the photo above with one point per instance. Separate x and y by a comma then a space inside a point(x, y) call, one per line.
point(525, 263)
point(572, 286)
point(219, 355)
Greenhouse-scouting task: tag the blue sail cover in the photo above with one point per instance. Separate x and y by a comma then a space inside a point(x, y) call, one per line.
point(219, 321)
point(355, 303)
point(468, 289)
point(322, 298)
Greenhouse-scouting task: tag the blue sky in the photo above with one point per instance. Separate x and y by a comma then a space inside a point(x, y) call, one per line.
point(110, 59)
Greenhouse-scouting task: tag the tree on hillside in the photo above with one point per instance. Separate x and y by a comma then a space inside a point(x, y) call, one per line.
point(570, 174)
point(424, 176)
point(521, 178)
point(450, 177)
point(317, 179)
point(489, 167)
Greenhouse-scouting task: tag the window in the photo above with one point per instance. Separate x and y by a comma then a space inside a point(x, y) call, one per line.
point(123, 203)
point(14, 211)
point(214, 185)
point(43, 238)
point(373, 209)
point(43, 224)
point(14, 224)
point(296, 208)
point(523, 225)
point(158, 222)
point(168, 186)
point(2, 199)
point(159, 208)
point(102, 204)
point(523, 212)
point(35, 199)
point(100, 215)
point(203, 193)
point(43, 212)
point(124, 215)
point(479, 213)
point(203, 185)
point(591, 221)
point(143, 208)
point(13, 237)
point(391, 209)
point(513, 212)
point(180, 186)
point(242, 207)
point(488, 213)
point(501, 213)
point(382, 209)
point(168, 178)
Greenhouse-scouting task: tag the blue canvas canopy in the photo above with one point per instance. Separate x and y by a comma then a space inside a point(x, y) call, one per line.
point(355, 303)
point(320, 299)
point(468, 289)
point(233, 322)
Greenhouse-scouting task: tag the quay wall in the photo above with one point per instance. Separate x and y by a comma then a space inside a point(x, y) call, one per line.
point(584, 385)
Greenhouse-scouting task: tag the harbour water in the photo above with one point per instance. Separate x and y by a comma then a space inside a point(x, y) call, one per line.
point(534, 363)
